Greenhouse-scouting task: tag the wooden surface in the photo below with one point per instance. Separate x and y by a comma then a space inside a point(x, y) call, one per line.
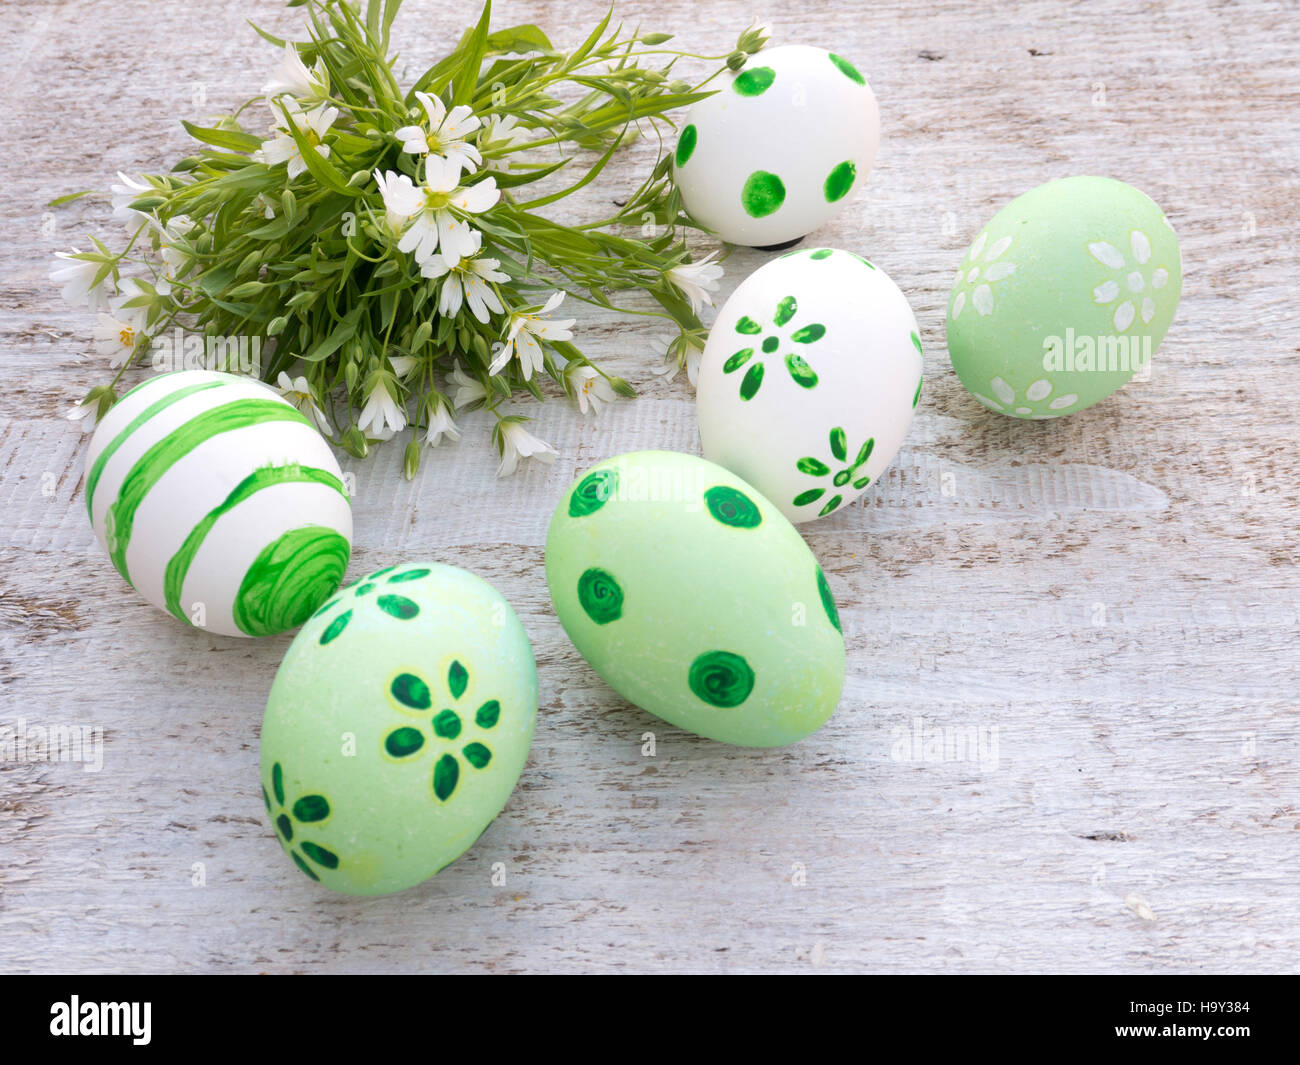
point(1115, 593)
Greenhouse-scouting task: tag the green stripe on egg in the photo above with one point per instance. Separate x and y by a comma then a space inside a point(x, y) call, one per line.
point(220, 503)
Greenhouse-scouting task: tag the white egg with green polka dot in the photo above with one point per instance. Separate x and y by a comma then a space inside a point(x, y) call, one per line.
point(809, 380)
point(780, 148)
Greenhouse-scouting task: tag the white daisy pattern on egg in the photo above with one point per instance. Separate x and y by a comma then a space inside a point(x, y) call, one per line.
point(1136, 287)
point(982, 268)
point(1036, 404)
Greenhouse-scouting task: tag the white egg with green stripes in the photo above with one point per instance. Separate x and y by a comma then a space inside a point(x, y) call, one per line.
point(219, 502)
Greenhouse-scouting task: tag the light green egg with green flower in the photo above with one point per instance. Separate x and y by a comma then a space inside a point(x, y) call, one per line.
point(1063, 297)
point(396, 727)
point(694, 598)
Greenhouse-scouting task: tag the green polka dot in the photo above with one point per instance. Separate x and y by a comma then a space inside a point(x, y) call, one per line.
point(785, 310)
point(363, 589)
point(755, 81)
point(810, 496)
point(745, 324)
point(277, 783)
point(403, 742)
point(847, 69)
point(770, 344)
point(477, 755)
point(600, 596)
point(732, 507)
point(916, 396)
point(593, 492)
point(311, 808)
point(763, 194)
point(809, 334)
point(398, 606)
point(828, 600)
point(839, 181)
point(285, 826)
point(738, 360)
point(445, 775)
point(753, 381)
point(686, 144)
point(488, 714)
point(821, 253)
point(410, 690)
point(835, 501)
point(721, 678)
point(447, 724)
point(321, 856)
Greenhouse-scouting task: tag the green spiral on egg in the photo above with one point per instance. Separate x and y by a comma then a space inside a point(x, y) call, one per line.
point(290, 579)
point(721, 678)
point(732, 507)
point(600, 596)
point(592, 493)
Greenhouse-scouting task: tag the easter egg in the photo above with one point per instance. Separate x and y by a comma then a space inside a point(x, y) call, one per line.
point(397, 727)
point(695, 599)
point(809, 379)
point(779, 148)
point(1062, 297)
point(219, 502)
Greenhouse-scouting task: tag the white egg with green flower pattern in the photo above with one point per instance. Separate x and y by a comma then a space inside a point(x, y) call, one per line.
point(809, 379)
point(779, 148)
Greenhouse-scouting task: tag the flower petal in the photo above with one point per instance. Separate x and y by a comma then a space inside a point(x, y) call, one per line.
point(1106, 254)
point(1141, 246)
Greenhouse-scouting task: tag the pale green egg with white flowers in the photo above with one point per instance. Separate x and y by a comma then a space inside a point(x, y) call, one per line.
point(1063, 297)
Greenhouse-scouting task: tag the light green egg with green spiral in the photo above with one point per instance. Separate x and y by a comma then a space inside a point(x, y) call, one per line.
point(397, 727)
point(694, 598)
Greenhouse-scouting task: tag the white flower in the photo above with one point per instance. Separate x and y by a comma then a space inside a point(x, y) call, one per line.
point(468, 390)
point(673, 359)
point(589, 388)
point(445, 137)
point(402, 364)
point(697, 280)
point(503, 131)
point(85, 413)
point(1138, 286)
point(313, 125)
point(441, 424)
point(969, 274)
point(176, 258)
point(267, 205)
point(467, 282)
point(381, 413)
point(524, 332)
point(1031, 405)
point(78, 281)
point(117, 334)
point(124, 195)
point(293, 78)
point(434, 214)
point(517, 443)
point(298, 392)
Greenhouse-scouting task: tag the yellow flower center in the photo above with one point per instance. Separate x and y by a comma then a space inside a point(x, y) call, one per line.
point(126, 337)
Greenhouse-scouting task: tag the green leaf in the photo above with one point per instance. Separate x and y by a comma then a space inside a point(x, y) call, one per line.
point(319, 168)
point(466, 78)
point(813, 467)
point(525, 38)
point(838, 447)
point(235, 140)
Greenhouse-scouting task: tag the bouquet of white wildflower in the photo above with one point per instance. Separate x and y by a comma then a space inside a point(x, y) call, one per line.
point(377, 244)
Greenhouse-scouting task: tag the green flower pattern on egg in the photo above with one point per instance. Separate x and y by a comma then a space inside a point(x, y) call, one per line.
point(847, 474)
point(755, 354)
point(410, 698)
point(313, 810)
point(409, 744)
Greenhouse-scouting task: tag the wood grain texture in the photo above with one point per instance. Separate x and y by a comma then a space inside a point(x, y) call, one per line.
point(1115, 593)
